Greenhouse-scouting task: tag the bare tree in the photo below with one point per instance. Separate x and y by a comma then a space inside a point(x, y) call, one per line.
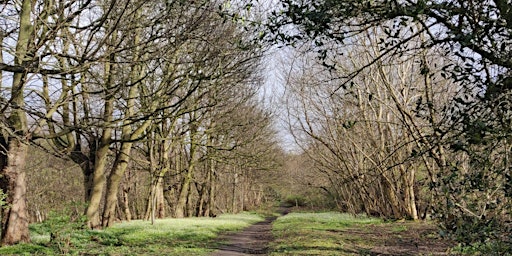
point(31, 37)
point(366, 136)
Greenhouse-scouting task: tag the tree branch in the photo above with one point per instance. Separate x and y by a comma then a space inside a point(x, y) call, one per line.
point(34, 70)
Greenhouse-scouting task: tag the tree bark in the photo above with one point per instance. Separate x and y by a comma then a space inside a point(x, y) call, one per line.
point(233, 199)
point(15, 217)
point(182, 198)
point(93, 208)
point(88, 179)
point(160, 200)
point(200, 204)
point(412, 196)
point(211, 193)
point(114, 179)
point(126, 205)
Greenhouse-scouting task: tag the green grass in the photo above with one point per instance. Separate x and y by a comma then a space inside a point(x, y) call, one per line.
point(399, 228)
point(318, 234)
point(331, 233)
point(189, 236)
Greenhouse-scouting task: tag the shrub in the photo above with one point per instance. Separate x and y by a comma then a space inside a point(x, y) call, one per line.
point(295, 200)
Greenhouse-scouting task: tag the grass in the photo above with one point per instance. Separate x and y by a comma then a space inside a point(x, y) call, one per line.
point(188, 236)
point(316, 233)
point(332, 233)
point(324, 233)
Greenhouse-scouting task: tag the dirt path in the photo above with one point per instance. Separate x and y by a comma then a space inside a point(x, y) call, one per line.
point(253, 240)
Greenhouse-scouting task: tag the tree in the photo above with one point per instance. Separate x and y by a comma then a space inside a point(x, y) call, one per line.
point(364, 138)
point(164, 72)
point(58, 66)
point(89, 80)
point(30, 41)
point(170, 80)
point(15, 217)
point(475, 39)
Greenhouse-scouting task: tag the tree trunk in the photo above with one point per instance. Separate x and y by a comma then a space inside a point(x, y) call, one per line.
point(243, 192)
point(114, 179)
point(412, 197)
point(156, 200)
point(101, 156)
point(182, 198)
point(191, 209)
point(187, 180)
point(150, 204)
point(123, 157)
point(170, 198)
point(200, 207)
point(233, 201)
point(93, 208)
point(15, 217)
point(392, 198)
point(86, 163)
point(126, 205)
point(100, 162)
point(160, 200)
point(88, 180)
point(211, 194)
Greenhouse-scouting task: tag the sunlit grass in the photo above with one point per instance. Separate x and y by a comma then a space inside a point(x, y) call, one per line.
point(318, 234)
point(331, 233)
point(187, 236)
point(326, 219)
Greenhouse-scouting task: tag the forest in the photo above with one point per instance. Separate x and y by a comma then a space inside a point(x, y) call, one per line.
point(123, 110)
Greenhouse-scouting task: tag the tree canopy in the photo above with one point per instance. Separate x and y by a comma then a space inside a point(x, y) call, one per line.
point(477, 33)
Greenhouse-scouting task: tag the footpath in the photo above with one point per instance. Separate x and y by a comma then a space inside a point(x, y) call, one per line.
point(253, 240)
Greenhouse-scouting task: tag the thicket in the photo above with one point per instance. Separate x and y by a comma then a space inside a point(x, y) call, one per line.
point(404, 106)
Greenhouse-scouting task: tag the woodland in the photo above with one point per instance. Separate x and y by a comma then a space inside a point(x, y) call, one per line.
point(121, 110)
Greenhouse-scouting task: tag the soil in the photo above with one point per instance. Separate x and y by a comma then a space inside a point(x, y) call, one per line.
point(408, 238)
point(254, 240)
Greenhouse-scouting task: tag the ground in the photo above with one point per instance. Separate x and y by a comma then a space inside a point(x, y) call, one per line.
point(408, 238)
point(386, 238)
point(253, 240)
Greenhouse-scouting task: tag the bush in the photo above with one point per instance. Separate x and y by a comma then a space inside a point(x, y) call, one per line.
point(474, 191)
point(294, 200)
